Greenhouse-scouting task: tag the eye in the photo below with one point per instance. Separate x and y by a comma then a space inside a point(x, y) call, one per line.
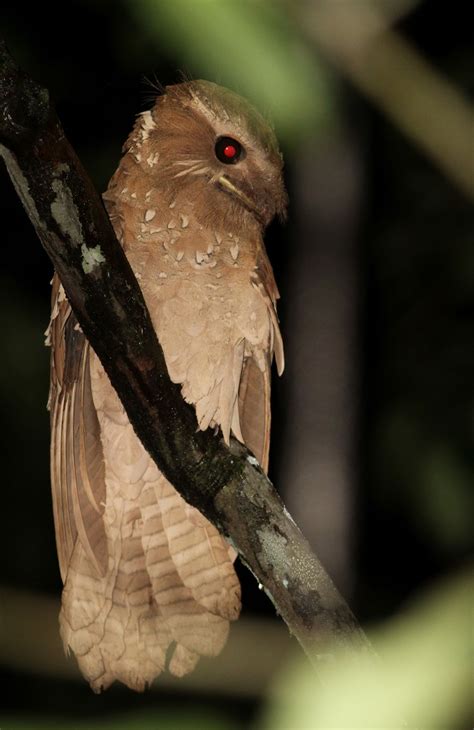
point(228, 150)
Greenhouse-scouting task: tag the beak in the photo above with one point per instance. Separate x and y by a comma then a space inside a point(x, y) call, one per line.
point(226, 185)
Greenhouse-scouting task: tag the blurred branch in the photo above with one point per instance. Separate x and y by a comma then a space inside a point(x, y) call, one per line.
point(385, 67)
point(225, 484)
point(29, 642)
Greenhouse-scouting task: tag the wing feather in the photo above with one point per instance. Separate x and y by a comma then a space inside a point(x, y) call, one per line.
point(254, 410)
point(255, 383)
point(77, 464)
point(63, 515)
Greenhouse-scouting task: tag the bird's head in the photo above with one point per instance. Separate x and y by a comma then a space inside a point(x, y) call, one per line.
point(213, 146)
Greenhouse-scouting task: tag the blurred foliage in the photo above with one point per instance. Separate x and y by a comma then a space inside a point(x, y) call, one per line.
point(423, 679)
point(255, 48)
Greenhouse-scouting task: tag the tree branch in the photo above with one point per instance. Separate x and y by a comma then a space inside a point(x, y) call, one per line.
point(225, 484)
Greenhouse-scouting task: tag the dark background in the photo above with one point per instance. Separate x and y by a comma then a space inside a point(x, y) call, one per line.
point(407, 258)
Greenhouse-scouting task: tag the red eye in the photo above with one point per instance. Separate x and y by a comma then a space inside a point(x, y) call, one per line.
point(228, 150)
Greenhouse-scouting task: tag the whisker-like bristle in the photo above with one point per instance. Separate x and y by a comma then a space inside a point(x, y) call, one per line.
point(154, 88)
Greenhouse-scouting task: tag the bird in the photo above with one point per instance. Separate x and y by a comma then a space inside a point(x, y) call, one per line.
point(148, 583)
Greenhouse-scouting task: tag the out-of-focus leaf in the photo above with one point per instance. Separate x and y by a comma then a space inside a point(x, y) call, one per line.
point(253, 47)
point(423, 677)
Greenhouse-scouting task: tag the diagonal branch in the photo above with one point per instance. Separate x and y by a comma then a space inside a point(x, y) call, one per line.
point(224, 483)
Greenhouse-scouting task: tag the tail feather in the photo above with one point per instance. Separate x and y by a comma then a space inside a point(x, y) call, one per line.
point(200, 555)
point(191, 624)
point(121, 626)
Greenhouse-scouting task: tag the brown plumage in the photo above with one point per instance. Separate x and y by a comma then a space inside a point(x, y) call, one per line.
point(148, 581)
